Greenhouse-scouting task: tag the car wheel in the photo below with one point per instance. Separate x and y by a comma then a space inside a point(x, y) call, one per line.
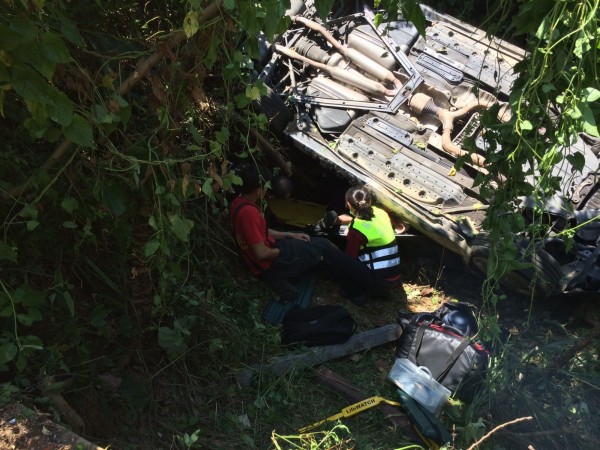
point(544, 271)
point(272, 106)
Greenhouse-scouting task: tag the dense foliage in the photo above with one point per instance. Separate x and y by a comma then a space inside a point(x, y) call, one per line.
point(111, 173)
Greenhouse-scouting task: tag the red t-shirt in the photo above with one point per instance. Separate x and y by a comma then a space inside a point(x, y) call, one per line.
point(354, 242)
point(250, 228)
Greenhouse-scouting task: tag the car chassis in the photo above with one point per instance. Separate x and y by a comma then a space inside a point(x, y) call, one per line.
point(385, 106)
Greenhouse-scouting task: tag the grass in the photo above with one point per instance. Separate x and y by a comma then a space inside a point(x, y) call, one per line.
point(196, 401)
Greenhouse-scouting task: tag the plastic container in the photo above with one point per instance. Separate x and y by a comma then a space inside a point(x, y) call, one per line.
point(419, 384)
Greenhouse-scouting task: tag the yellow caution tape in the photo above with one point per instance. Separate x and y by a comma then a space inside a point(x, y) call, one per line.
point(351, 411)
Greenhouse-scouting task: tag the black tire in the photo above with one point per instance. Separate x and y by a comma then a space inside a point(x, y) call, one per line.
point(272, 106)
point(542, 278)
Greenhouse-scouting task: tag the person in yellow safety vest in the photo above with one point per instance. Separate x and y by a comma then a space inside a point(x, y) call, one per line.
point(370, 265)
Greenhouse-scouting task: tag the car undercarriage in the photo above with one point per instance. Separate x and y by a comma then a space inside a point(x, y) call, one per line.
point(383, 105)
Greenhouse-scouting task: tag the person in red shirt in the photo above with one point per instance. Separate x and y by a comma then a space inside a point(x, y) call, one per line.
point(275, 257)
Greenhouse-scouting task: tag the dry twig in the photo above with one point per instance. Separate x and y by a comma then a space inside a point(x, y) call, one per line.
point(499, 427)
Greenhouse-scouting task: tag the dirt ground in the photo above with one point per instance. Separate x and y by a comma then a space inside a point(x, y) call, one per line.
point(22, 428)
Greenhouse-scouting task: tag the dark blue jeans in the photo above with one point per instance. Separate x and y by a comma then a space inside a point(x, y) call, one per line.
point(354, 277)
point(296, 257)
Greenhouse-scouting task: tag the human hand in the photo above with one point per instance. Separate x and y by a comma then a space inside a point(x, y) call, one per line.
point(301, 236)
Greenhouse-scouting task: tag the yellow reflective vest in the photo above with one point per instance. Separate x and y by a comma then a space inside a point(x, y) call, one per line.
point(380, 253)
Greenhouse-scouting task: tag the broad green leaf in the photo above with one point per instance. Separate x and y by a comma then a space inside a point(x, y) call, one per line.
point(28, 211)
point(8, 351)
point(573, 112)
point(151, 247)
point(69, 204)
point(7, 252)
point(19, 31)
point(30, 297)
point(80, 132)
point(591, 94)
point(577, 160)
point(70, 225)
point(181, 227)
point(168, 338)
point(61, 110)
point(412, 12)
point(323, 8)
point(547, 87)
point(32, 225)
point(33, 342)
point(114, 198)
point(229, 4)
point(207, 187)
point(582, 45)
point(196, 136)
point(70, 32)
point(589, 120)
point(152, 223)
point(54, 48)
point(33, 315)
point(526, 125)
point(32, 54)
point(190, 24)
point(102, 114)
point(124, 112)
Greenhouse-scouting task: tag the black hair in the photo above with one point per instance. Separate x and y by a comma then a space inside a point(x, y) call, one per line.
point(282, 186)
point(360, 198)
point(253, 176)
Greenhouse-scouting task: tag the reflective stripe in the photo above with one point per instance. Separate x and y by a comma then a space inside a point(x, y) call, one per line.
point(386, 264)
point(381, 253)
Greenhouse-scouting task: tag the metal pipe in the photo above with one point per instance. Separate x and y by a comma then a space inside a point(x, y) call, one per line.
point(352, 78)
point(364, 62)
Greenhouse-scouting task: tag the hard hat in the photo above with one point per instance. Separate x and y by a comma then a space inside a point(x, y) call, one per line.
point(458, 322)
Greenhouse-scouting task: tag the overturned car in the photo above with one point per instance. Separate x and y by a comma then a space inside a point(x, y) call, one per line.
point(385, 106)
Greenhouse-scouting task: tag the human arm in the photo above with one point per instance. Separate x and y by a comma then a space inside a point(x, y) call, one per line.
point(345, 219)
point(278, 235)
point(262, 252)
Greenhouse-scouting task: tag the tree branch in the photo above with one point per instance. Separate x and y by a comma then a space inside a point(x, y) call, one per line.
point(142, 68)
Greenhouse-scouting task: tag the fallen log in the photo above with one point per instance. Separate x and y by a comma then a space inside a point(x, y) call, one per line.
point(318, 355)
point(329, 379)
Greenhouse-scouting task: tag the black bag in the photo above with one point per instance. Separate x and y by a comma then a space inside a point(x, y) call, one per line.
point(453, 357)
point(317, 325)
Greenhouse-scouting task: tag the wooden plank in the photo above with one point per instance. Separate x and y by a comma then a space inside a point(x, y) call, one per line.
point(318, 355)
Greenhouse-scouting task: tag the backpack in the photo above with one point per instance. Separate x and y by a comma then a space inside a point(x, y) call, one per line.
point(317, 325)
point(449, 351)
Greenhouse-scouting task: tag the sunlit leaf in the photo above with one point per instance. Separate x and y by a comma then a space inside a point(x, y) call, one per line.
point(323, 8)
point(591, 94)
point(190, 24)
point(526, 125)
